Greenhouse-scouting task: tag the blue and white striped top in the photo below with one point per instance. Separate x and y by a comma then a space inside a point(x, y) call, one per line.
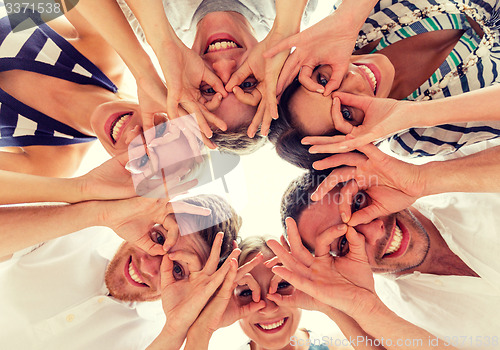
point(472, 64)
point(39, 49)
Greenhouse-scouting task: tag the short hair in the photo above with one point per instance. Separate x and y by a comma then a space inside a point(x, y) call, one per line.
point(237, 141)
point(298, 193)
point(253, 245)
point(286, 137)
point(228, 221)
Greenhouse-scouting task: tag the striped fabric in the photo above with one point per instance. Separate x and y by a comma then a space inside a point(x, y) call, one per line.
point(39, 49)
point(392, 20)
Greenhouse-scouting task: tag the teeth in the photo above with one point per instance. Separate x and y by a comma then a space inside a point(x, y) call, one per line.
point(370, 74)
point(272, 325)
point(117, 126)
point(132, 273)
point(396, 241)
point(221, 45)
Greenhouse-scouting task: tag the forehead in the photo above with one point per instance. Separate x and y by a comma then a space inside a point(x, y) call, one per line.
point(319, 216)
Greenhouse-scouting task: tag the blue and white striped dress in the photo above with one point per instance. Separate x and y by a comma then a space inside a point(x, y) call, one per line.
point(39, 49)
point(473, 64)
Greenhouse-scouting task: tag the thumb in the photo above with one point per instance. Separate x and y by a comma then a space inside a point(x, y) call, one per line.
point(239, 76)
point(356, 245)
point(356, 101)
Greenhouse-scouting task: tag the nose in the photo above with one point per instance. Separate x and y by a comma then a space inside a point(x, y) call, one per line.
point(353, 83)
point(224, 68)
point(270, 308)
point(150, 265)
point(373, 232)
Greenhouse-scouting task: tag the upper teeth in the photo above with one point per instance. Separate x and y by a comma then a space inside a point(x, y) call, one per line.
point(396, 241)
point(132, 274)
point(221, 45)
point(116, 127)
point(272, 325)
point(370, 74)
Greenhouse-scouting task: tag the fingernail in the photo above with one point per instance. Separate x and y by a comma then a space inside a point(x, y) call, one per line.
point(312, 150)
point(305, 142)
point(219, 96)
point(341, 227)
point(314, 166)
point(342, 147)
point(320, 91)
point(313, 196)
point(344, 217)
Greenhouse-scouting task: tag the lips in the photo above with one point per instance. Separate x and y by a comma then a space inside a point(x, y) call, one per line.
point(132, 275)
point(115, 125)
point(272, 327)
point(220, 42)
point(398, 243)
point(369, 72)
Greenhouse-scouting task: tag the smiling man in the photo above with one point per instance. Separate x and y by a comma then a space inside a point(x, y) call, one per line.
point(436, 258)
point(81, 292)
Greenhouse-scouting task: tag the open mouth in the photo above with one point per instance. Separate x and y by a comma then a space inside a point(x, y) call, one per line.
point(272, 327)
point(398, 242)
point(370, 76)
point(133, 276)
point(117, 126)
point(221, 42)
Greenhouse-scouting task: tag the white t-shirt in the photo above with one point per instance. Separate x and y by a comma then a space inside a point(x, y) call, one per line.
point(463, 311)
point(55, 298)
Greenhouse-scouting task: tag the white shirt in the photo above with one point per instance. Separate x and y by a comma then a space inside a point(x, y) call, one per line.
point(55, 298)
point(463, 311)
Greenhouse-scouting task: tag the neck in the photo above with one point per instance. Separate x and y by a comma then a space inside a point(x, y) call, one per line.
point(440, 260)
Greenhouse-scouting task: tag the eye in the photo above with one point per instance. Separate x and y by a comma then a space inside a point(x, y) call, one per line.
point(245, 293)
point(321, 79)
point(283, 285)
point(207, 89)
point(359, 202)
point(342, 246)
point(249, 84)
point(160, 129)
point(178, 271)
point(346, 113)
point(157, 237)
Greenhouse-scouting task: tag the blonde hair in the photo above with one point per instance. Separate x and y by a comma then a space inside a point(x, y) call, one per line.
point(253, 245)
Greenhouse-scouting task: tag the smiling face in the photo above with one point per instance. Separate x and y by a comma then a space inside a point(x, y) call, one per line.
point(272, 326)
point(367, 75)
point(394, 243)
point(134, 275)
point(224, 40)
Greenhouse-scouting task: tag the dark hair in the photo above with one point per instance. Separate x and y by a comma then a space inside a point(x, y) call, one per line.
point(298, 193)
point(286, 137)
point(222, 219)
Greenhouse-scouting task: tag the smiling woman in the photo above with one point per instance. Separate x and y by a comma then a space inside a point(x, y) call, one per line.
point(421, 54)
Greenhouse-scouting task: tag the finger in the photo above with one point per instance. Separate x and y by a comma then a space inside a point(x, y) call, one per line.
point(213, 259)
point(214, 81)
point(300, 282)
point(257, 119)
point(347, 194)
point(246, 98)
point(227, 288)
point(366, 215)
point(147, 120)
point(166, 276)
point(337, 176)
point(306, 80)
point(247, 267)
point(214, 103)
point(373, 153)
point(273, 285)
point(270, 113)
point(325, 239)
point(290, 70)
point(286, 258)
point(251, 308)
point(172, 232)
point(239, 76)
point(192, 108)
point(296, 247)
point(322, 140)
point(339, 122)
point(345, 159)
point(358, 101)
point(173, 99)
point(335, 79)
point(357, 250)
point(272, 262)
point(284, 243)
point(252, 284)
point(187, 208)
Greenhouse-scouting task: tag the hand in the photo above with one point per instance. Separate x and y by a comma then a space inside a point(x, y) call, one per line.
point(266, 71)
point(383, 118)
point(327, 42)
point(132, 220)
point(345, 283)
point(184, 72)
point(184, 299)
point(110, 180)
point(391, 184)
